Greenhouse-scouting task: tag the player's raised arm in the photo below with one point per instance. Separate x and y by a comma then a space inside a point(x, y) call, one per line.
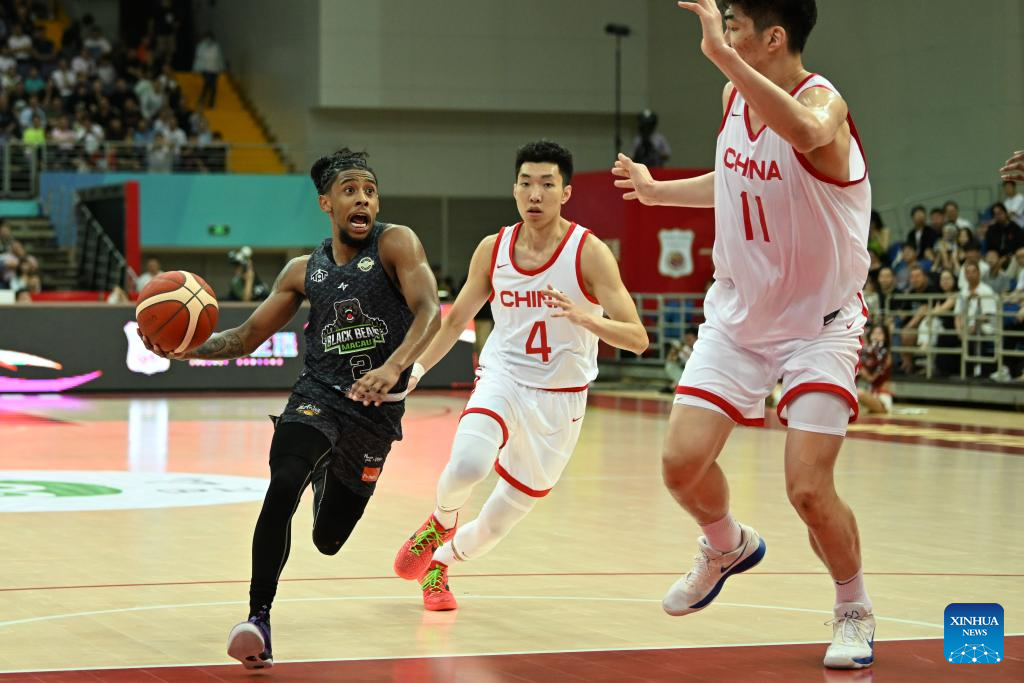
point(807, 124)
point(467, 304)
point(622, 328)
point(402, 253)
point(269, 317)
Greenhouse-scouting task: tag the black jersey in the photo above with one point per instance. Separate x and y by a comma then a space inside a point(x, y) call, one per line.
point(357, 316)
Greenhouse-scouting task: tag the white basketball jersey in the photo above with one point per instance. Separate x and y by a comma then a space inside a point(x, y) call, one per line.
point(527, 344)
point(790, 242)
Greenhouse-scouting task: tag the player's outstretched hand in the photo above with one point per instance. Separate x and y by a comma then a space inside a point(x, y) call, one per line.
point(636, 178)
point(713, 44)
point(371, 387)
point(567, 309)
point(158, 351)
point(1013, 169)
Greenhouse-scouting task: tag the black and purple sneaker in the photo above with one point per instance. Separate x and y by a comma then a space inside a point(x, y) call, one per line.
point(249, 642)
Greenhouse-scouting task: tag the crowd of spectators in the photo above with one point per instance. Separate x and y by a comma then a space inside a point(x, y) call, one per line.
point(962, 279)
point(19, 270)
point(100, 104)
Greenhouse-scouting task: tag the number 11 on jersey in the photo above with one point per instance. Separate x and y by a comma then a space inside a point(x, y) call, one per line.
point(539, 332)
point(746, 217)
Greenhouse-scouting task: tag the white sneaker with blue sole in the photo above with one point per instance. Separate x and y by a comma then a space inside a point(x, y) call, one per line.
point(853, 637)
point(711, 568)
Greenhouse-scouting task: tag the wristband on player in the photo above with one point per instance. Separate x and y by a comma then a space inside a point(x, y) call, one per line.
point(418, 371)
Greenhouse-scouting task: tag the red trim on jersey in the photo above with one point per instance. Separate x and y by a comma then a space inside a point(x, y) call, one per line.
point(567, 390)
point(863, 306)
point(730, 410)
point(828, 179)
point(554, 256)
point(494, 260)
point(728, 109)
point(504, 474)
point(810, 387)
point(746, 111)
point(490, 413)
point(579, 269)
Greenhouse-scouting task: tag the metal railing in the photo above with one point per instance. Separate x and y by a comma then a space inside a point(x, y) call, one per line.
point(924, 328)
point(101, 266)
point(21, 164)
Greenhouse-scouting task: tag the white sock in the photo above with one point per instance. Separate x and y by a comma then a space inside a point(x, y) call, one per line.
point(723, 535)
point(445, 555)
point(447, 518)
point(852, 590)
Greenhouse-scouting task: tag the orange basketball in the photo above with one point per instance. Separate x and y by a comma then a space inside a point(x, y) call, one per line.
point(177, 311)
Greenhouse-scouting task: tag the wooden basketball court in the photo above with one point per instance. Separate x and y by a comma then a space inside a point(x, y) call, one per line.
point(127, 524)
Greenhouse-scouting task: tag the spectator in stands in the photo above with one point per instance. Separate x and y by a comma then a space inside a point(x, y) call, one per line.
point(6, 59)
point(952, 210)
point(878, 236)
point(20, 44)
point(22, 276)
point(946, 249)
point(34, 135)
point(160, 158)
point(10, 78)
point(152, 270)
point(922, 235)
point(875, 371)
point(83, 64)
point(96, 43)
point(71, 40)
point(15, 255)
point(8, 123)
point(31, 111)
point(64, 79)
point(165, 25)
point(208, 62)
point(1013, 326)
point(976, 310)
point(942, 330)
point(34, 82)
point(1004, 236)
point(886, 289)
point(907, 260)
point(88, 133)
point(106, 72)
point(1016, 272)
point(143, 135)
point(1014, 202)
point(972, 255)
point(996, 278)
point(167, 125)
point(921, 287)
point(23, 296)
point(151, 99)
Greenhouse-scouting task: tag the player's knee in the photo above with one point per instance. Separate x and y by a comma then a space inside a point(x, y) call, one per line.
point(681, 465)
point(808, 501)
point(286, 485)
point(469, 468)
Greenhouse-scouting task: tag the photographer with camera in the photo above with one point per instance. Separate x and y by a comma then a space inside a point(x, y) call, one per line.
point(246, 284)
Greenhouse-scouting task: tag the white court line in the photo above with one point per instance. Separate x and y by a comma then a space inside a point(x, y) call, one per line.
point(144, 608)
point(637, 648)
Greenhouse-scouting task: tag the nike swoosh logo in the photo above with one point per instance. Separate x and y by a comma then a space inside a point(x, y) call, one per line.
point(733, 114)
point(502, 265)
point(577, 419)
point(849, 325)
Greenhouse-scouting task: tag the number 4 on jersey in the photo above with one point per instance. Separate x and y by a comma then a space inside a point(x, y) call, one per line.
point(540, 330)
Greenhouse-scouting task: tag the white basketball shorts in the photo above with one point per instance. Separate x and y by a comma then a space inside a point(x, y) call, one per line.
point(735, 380)
point(540, 429)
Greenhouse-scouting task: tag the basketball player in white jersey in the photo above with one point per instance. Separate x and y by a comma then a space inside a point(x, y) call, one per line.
point(792, 201)
point(550, 284)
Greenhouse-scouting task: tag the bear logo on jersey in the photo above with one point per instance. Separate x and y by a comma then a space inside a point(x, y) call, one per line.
point(352, 330)
point(676, 258)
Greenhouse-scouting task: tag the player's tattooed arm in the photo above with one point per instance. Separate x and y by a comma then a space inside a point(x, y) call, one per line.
point(274, 313)
point(220, 346)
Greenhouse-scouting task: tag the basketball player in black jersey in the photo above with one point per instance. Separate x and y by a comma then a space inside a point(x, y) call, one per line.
point(373, 311)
